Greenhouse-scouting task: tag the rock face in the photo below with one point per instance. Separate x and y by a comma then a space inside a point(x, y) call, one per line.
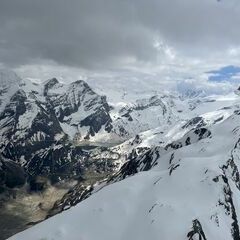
point(78, 106)
point(11, 174)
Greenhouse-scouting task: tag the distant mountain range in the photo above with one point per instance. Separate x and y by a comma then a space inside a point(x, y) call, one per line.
point(43, 126)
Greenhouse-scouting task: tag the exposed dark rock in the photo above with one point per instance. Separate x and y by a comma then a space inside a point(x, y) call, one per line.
point(50, 84)
point(172, 168)
point(72, 198)
point(230, 207)
point(196, 232)
point(11, 174)
point(38, 184)
point(195, 122)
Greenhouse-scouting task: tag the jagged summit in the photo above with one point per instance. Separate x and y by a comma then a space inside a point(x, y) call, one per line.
point(49, 84)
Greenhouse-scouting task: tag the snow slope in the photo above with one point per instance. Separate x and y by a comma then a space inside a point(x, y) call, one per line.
point(187, 188)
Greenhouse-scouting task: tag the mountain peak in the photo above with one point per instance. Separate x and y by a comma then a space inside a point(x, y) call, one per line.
point(49, 84)
point(81, 83)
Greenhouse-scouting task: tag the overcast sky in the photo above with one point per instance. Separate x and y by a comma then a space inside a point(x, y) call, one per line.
point(99, 35)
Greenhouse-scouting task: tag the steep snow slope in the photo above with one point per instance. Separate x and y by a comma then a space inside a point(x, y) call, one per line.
point(190, 191)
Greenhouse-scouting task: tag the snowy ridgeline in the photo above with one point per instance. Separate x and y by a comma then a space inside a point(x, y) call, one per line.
point(186, 187)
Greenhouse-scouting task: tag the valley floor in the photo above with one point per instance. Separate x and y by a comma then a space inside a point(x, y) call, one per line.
point(20, 213)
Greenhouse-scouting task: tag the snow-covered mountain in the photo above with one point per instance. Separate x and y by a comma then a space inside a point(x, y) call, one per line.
point(171, 161)
point(38, 123)
point(187, 187)
point(192, 191)
point(158, 138)
point(42, 122)
point(43, 127)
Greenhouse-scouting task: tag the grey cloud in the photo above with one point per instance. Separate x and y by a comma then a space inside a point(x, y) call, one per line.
point(106, 33)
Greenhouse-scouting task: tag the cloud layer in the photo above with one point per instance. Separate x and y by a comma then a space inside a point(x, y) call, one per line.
point(105, 34)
